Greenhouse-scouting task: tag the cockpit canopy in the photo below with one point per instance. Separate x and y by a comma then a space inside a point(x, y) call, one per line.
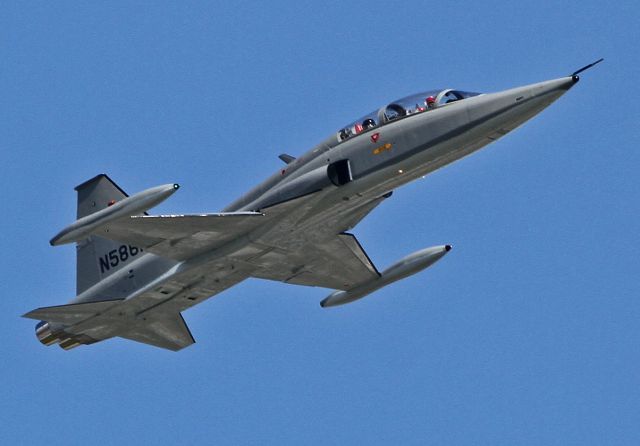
point(416, 103)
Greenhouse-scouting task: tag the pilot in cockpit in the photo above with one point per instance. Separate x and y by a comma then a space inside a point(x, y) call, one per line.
point(430, 102)
point(368, 124)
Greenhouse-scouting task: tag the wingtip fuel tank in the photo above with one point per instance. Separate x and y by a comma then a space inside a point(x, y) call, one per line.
point(140, 202)
point(407, 266)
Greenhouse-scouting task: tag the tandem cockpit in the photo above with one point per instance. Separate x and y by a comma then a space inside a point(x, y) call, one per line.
point(402, 108)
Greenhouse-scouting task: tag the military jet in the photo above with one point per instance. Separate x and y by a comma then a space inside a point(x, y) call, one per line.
point(136, 273)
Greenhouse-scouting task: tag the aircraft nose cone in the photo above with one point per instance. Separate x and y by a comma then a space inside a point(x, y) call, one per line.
point(503, 111)
point(555, 86)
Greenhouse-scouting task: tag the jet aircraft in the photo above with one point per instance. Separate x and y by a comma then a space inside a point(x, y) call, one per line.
point(136, 273)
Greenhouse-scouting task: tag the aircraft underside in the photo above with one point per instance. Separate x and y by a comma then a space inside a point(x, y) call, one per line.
point(137, 273)
point(292, 242)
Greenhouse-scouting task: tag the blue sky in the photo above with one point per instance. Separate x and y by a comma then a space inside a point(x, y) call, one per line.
point(526, 333)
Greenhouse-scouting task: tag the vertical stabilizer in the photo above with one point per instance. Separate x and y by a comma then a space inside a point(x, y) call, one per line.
point(96, 194)
point(92, 254)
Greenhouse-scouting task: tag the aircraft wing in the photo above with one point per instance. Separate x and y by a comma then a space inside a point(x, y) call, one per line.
point(317, 253)
point(180, 237)
point(327, 260)
point(338, 263)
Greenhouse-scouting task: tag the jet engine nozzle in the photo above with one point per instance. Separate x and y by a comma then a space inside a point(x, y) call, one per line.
point(44, 333)
point(49, 335)
point(407, 266)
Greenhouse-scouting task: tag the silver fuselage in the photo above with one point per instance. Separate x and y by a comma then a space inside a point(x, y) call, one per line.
point(413, 146)
point(420, 143)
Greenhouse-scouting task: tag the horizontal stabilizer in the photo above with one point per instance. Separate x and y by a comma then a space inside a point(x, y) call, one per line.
point(170, 332)
point(70, 314)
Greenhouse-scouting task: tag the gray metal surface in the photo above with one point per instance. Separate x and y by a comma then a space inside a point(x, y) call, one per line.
point(290, 228)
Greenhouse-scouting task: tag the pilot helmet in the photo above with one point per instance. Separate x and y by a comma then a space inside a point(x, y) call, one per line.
point(367, 123)
point(431, 100)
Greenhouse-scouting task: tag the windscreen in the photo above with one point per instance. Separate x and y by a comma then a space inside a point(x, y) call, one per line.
point(401, 108)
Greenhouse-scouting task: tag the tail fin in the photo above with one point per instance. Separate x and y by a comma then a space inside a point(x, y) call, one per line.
point(92, 254)
point(96, 194)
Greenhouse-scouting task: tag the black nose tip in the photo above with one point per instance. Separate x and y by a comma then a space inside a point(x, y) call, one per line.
point(575, 78)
